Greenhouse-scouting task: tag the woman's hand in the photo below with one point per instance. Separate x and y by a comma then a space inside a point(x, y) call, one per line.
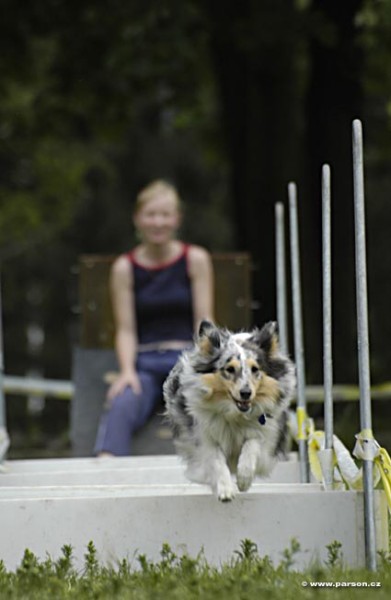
point(125, 379)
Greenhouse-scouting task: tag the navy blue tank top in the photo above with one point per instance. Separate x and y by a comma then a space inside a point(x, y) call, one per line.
point(163, 300)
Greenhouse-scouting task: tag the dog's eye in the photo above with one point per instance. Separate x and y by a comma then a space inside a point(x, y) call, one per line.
point(230, 370)
point(254, 370)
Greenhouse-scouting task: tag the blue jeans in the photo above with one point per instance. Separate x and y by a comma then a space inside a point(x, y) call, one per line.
point(129, 411)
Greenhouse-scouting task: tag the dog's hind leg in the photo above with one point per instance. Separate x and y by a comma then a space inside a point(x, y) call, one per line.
point(219, 475)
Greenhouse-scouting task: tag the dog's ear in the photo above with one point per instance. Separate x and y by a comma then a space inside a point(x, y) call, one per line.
point(205, 326)
point(267, 338)
point(208, 337)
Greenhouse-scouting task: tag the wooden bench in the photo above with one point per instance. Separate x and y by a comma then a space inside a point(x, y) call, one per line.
point(95, 355)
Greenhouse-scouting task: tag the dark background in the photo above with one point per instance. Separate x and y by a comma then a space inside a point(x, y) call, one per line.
point(230, 100)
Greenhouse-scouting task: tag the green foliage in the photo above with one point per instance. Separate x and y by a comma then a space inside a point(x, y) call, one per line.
point(334, 554)
point(374, 21)
point(247, 577)
point(248, 550)
point(76, 78)
point(91, 561)
point(289, 554)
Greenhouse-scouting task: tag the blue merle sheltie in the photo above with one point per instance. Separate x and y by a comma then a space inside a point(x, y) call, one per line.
point(226, 401)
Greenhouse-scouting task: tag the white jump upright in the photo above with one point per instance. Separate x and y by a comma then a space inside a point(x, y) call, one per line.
point(281, 294)
point(327, 453)
point(298, 333)
point(363, 337)
point(4, 440)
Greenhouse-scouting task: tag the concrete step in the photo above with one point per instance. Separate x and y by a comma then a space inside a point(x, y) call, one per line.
point(123, 521)
point(113, 463)
point(123, 518)
point(116, 471)
point(141, 490)
point(43, 465)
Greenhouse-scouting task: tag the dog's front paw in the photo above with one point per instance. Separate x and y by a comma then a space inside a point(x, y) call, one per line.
point(225, 490)
point(245, 478)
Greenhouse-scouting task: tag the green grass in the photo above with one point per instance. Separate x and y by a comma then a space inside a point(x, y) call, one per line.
point(247, 576)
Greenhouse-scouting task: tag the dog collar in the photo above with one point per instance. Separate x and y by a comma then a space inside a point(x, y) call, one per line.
point(262, 418)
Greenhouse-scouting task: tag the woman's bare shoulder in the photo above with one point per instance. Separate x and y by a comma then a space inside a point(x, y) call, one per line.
point(121, 268)
point(199, 261)
point(198, 254)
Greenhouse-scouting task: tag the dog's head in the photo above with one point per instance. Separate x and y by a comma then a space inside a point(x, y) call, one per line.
point(243, 367)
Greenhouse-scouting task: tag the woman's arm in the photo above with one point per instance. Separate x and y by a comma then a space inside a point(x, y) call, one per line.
point(202, 284)
point(121, 288)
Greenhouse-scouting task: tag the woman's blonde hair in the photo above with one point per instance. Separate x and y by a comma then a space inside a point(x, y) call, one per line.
point(158, 186)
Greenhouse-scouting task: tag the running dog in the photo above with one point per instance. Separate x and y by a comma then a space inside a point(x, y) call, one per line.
point(227, 403)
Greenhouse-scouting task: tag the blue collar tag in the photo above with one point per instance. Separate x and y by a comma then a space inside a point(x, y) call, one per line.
point(262, 419)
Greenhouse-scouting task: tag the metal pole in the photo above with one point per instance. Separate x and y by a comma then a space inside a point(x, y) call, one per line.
point(327, 454)
point(4, 440)
point(363, 337)
point(281, 277)
point(298, 333)
point(2, 404)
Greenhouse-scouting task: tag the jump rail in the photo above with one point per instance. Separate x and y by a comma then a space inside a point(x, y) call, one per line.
point(59, 389)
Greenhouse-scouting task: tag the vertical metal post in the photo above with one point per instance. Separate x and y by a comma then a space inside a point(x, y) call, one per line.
point(327, 454)
point(298, 333)
point(4, 440)
point(281, 277)
point(363, 337)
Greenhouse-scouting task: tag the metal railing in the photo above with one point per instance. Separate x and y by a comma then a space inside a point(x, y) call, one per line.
point(63, 390)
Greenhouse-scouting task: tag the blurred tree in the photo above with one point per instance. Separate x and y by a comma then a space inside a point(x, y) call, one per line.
point(77, 78)
point(292, 77)
point(95, 99)
point(334, 99)
point(349, 51)
point(256, 53)
point(229, 99)
point(374, 21)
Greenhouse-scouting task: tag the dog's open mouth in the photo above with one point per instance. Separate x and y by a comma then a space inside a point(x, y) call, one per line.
point(243, 405)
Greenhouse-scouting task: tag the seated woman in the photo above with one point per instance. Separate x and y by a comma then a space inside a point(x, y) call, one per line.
point(161, 290)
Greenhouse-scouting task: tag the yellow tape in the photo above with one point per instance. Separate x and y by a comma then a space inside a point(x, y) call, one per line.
point(366, 434)
point(366, 447)
point(383, 463)
point(314, 445)
point(351, 475)
point(301, 423)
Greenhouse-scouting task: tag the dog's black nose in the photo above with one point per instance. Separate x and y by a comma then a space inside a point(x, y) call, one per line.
point(245, 393)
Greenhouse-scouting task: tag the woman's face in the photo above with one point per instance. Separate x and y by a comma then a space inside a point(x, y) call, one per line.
point(158, 219)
